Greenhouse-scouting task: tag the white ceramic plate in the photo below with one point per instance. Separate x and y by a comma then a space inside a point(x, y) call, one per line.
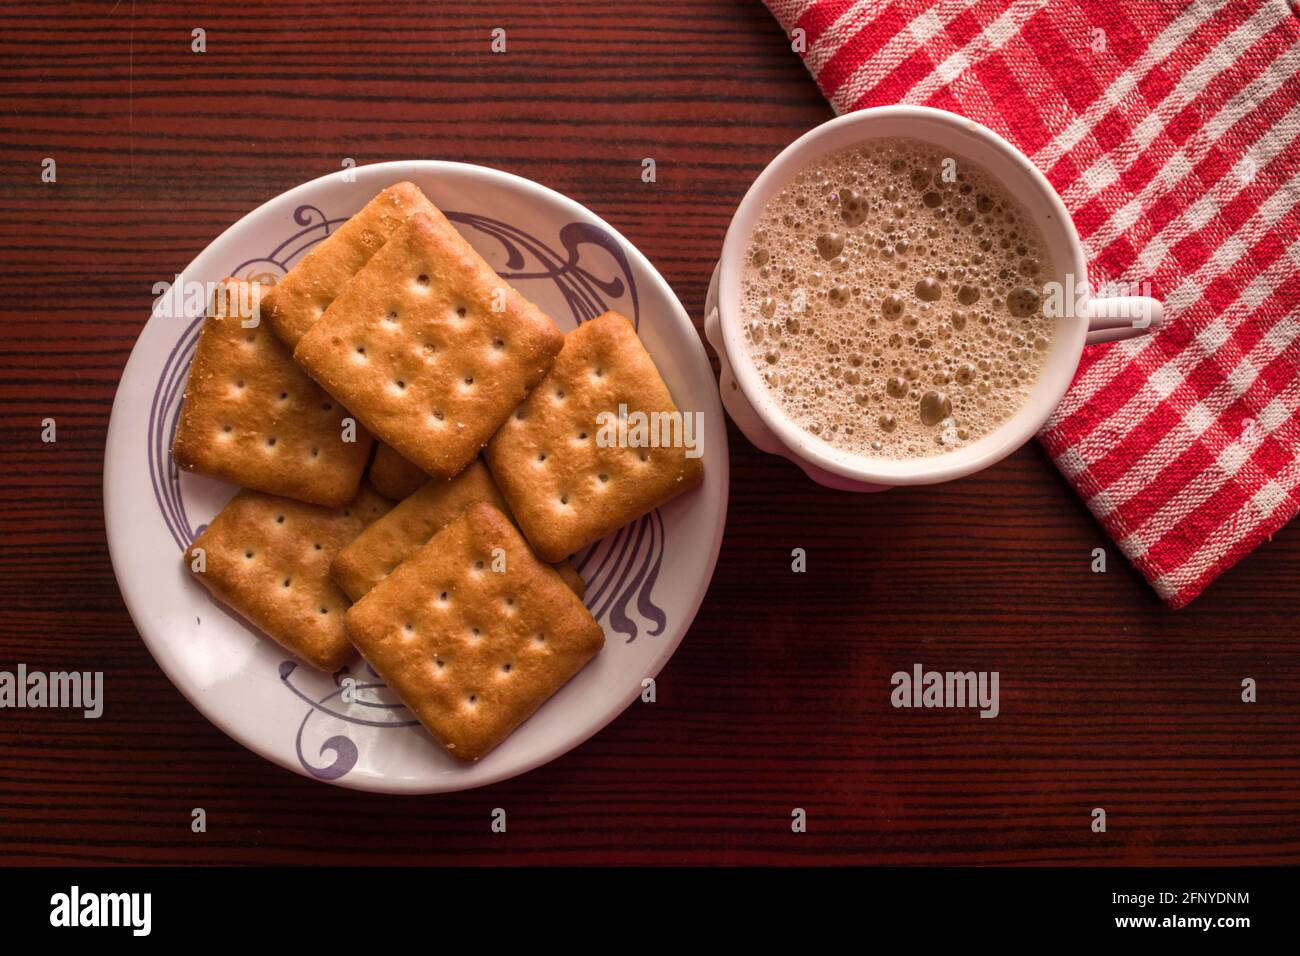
point(644, 583)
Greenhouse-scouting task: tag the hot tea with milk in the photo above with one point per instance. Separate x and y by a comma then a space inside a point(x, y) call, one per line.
point(893, 300)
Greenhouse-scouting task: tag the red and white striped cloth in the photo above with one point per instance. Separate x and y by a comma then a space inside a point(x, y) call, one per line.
point(1172, 131)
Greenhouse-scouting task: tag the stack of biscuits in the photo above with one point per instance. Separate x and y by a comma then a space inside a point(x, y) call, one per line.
point(393, 346)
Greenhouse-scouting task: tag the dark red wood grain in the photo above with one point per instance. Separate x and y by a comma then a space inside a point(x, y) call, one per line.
point(779, 696)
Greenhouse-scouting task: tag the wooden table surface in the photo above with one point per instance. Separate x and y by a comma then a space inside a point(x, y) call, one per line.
point(779, 696)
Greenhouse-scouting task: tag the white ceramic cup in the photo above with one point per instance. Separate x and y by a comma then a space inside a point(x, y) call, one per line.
point(1094, 319)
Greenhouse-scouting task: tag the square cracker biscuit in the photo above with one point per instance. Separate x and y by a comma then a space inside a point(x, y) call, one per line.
point(563, 487)
point(429, 347)
point(474, 651)
point(379, 549)
point(393, 476)
point(373, 555)
point(294, 304)
point(251, 417)
point(268, 558)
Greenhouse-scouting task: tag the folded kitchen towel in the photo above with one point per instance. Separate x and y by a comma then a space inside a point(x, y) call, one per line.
point(1172, 132)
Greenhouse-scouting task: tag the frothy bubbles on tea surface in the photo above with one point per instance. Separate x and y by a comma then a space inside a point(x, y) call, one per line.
point(893, 300)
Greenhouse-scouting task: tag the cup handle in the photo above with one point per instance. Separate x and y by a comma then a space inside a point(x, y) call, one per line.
point(1113, 318)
